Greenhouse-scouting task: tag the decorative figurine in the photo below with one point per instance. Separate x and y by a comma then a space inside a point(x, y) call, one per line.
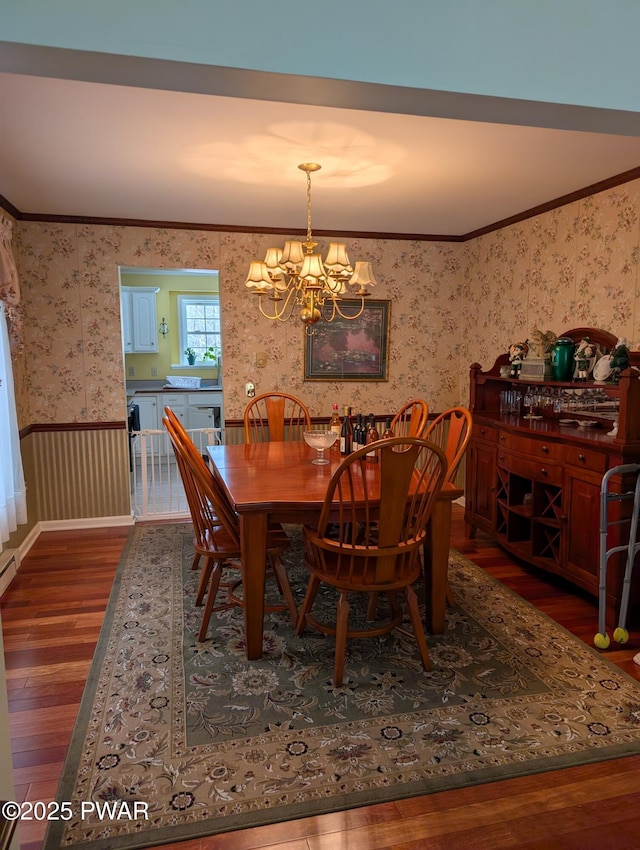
point(619, 359)
point(541, 343)
point(585, 356)
point(517, 353)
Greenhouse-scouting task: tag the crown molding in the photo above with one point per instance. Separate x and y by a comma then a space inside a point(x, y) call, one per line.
point(563, 200)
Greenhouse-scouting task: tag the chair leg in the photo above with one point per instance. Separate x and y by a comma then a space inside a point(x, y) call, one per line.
point(195, 562)
point(204, 580)
point(216, 573)
point(309, 598)
point(342, 624)
point(451, 600)
point(372, 605)
point(416, 622)
point(285, 588)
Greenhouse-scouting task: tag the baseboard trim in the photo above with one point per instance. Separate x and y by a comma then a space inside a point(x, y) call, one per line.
point(84, 522)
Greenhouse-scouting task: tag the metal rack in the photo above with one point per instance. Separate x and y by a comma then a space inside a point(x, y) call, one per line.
point(620, 634)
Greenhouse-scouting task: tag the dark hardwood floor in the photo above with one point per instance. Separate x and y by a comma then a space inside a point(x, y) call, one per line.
point(52, 615)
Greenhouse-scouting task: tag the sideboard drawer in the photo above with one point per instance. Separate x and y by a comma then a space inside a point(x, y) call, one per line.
point(532, 446)
point(484, 432)
point(513, 442)
point(586, 458)
point(537, 470)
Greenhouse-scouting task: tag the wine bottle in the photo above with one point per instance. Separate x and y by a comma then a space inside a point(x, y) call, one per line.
point(363, 431)
point(358, 442)
point(346, 434)
point(387, 430)
point(335, 424)
point(372, 437)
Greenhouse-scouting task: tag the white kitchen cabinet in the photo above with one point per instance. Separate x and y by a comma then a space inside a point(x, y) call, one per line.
point(195, 410)
point(152, 407)
point(204, 410)
point(148, 409)
point(139, 319)
point(148, 405)
point(178, 404)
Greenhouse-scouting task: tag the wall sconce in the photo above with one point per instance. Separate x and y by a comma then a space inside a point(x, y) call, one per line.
point(164, 328)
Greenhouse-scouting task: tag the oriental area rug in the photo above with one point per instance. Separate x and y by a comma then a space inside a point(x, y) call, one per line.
point(178, 739)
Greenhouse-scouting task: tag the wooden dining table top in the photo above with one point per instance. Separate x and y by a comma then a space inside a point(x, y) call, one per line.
point(279, 476)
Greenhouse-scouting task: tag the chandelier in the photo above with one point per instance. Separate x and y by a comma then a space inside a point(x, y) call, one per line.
point(295, 277)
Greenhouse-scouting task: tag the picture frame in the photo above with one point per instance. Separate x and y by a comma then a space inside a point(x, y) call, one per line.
point(350, 349)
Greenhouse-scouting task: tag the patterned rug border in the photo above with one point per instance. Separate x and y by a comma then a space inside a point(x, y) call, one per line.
point(183, 832)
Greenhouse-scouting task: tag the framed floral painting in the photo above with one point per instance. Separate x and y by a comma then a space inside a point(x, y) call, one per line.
point(350, 349)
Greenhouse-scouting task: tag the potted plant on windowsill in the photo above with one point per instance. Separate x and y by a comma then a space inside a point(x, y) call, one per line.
point(212, 356)
point(191, 356)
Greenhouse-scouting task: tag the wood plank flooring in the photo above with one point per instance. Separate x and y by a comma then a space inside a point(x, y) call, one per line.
point(52, 615)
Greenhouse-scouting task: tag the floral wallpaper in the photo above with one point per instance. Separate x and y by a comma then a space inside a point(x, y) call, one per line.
point(69, 276)
point(575, 266)
point(451, 304)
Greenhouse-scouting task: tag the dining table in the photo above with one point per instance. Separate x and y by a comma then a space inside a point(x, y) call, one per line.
point(277, 482)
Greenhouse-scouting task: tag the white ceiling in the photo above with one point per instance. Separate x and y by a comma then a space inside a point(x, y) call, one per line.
point(77, 148)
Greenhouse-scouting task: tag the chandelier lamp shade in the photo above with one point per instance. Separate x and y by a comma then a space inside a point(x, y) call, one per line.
point(296, 278)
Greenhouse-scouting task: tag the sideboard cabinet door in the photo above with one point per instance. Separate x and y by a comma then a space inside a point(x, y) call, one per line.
point(481, 485)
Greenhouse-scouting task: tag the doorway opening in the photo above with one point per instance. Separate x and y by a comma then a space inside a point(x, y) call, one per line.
point(172, 356)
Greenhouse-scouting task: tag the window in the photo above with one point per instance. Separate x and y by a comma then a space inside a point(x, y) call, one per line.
point(199, 326)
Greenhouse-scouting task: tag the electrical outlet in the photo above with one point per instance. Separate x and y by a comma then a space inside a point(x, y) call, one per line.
point(131, 372)
point(154, 372)
point(250, 389)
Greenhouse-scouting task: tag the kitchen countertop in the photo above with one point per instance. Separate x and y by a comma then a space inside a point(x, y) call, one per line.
point(140, 387)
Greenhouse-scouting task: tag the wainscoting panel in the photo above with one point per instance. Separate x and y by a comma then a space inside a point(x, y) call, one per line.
point(81, 473)
point(233, 434)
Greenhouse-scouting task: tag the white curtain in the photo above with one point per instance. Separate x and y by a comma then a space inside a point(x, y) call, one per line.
point(13, 498)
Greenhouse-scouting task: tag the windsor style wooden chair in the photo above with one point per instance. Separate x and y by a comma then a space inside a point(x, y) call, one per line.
point(275, 416)
point(368, 538)
point(411, 420)
point(217, 530)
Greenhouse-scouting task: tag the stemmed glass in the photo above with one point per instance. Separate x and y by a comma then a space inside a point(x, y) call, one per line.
point(528, 403)
point(320, 440)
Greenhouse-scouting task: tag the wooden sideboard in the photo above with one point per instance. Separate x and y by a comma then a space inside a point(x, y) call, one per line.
point(535, 484)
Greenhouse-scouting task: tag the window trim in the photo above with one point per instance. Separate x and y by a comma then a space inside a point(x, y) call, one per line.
point(182, 302)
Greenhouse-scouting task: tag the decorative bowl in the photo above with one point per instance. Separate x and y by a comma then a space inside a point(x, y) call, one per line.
point(320, 440)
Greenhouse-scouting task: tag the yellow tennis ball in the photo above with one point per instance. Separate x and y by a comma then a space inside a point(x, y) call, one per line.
point(621, 635)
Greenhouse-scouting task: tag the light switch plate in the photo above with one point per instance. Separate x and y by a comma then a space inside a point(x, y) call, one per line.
point(261, 359)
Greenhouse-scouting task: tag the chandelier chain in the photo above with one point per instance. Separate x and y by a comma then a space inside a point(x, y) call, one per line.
point(308, 206)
